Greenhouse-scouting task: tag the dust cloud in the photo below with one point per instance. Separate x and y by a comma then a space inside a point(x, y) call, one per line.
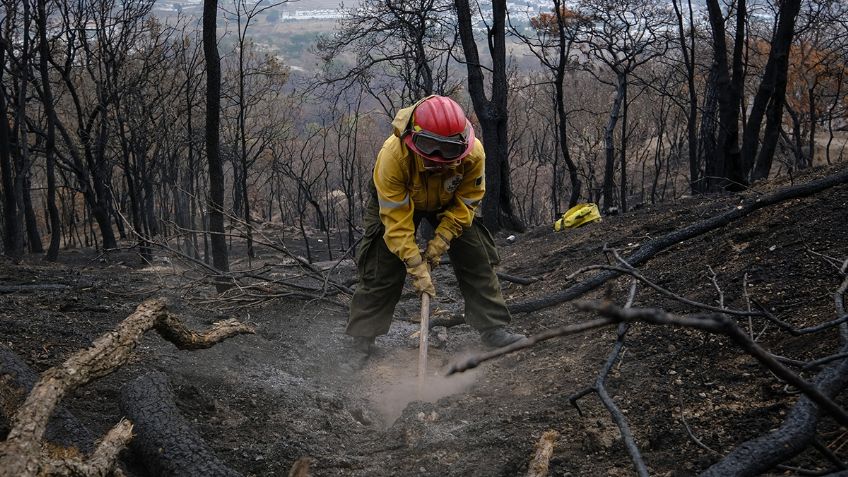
point(395, 385)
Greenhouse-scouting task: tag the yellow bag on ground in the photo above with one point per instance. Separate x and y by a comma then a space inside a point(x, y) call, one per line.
point(578, 215)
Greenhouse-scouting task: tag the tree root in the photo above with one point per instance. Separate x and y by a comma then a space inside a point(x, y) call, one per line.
point(164, 440)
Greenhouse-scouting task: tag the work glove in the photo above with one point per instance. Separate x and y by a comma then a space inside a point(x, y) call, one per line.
point(435, 249)
point(419, 270)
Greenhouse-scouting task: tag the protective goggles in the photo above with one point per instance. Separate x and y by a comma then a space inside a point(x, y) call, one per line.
point(447, 147)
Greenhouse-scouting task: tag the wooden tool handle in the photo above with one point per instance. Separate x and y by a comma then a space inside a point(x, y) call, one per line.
point(423, 336)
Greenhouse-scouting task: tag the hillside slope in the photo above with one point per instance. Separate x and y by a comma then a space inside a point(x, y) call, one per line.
point(263, 401)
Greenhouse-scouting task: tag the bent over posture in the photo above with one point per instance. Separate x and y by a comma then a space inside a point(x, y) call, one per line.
point(431, 168)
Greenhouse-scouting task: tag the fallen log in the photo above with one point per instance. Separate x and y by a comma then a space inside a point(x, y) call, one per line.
point(647, 251)
point(502, 276)
point(796, 433)
point(20, 454)
point(164, 440)
point(16, 381)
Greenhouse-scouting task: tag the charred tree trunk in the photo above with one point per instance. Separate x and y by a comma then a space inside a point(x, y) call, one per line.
point(101, 207)
point(811, 98)
point(562, 125)
point(10, 207)
point(796, 143)
point(50, 144)
point(609, 145)
point(218, 240)
point(21, 133)
point(723, 170)
point(164, 440)
point(242, 121)
point(688, 51)
point(770, 97)
point(33, 236)
point(624, 149)
point(709, 122)
point(492, 113)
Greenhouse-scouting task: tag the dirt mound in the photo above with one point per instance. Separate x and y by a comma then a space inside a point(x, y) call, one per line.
point(263, 401)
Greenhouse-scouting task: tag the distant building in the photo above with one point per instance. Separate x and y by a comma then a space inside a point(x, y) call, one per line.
point(328, 14)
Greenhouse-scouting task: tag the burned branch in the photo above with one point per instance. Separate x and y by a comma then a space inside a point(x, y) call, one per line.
point(799, 428)
point(20, 453)
point(753, 457)
point(663, 291)
point(475, 360)
point(601, 390)
point(647, 251)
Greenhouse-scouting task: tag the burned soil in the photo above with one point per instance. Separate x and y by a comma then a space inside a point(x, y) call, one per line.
point(262, 401)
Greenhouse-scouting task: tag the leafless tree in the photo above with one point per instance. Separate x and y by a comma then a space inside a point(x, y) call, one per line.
point(769, 100)
point(249, 74)
point(491, 110)
point(401, 51)
point(213, 156)
point(556, 34)
point(622, 36)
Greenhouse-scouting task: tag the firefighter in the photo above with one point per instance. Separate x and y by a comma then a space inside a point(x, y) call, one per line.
point(431, 168)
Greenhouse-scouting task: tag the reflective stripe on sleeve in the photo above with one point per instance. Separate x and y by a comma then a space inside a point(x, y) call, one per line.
point(469, 202)
point(390, 204)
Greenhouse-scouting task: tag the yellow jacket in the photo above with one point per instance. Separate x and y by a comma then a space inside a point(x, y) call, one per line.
point(404, 186)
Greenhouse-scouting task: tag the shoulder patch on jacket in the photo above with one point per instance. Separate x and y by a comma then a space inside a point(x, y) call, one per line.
point(452, 183)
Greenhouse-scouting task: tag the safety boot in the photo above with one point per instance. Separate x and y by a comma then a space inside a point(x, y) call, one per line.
point(360, 351)
point(363, 344)
point(498, 337)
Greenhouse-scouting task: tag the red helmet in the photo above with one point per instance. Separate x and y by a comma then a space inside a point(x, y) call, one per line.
point(440, 132)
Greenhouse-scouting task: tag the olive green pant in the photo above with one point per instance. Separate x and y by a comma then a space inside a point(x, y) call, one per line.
point(382, 274)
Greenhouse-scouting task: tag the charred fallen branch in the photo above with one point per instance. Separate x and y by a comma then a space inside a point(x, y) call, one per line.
point(768, 451)
point(241, 288)
point(647, 251)
point(600, 388)
point(21, 453)
point(799, 429)
point(515, 279)
point(164, 440)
